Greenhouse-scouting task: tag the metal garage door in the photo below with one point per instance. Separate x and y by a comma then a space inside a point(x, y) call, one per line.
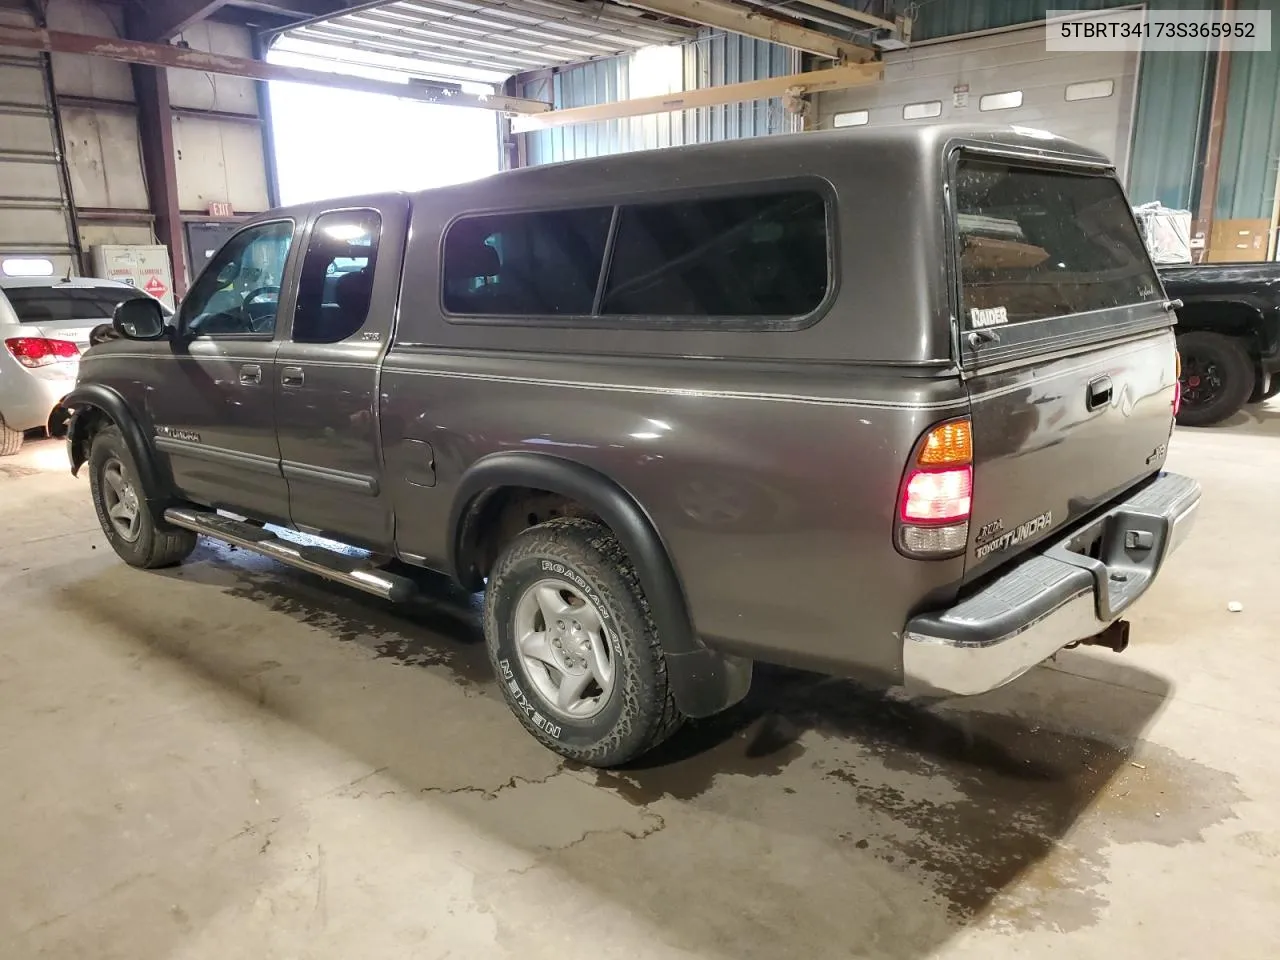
point(1000, 77)
point(34, 214)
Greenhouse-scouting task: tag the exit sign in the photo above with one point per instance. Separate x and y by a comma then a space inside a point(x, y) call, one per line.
point(221, 209)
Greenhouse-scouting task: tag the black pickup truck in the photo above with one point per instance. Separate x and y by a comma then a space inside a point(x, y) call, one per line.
point(893, 403)
point(1228, 336)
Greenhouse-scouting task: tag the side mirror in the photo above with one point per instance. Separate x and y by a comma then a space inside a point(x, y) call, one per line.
point(139, 319)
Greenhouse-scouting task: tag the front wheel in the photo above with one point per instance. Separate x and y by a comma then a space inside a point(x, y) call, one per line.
point(574, 647)
point(1217, 377)
point(123, 512)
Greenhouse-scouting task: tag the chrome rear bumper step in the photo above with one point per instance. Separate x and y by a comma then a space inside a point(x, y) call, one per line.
point(353, 571)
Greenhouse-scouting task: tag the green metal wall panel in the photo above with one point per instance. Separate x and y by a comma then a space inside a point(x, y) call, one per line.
point(1168, 126)
point(1173, 90)
point(945, 18)
point(713, 59)
point(1250, 138)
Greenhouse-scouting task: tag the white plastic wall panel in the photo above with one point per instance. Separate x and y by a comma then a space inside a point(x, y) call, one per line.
point(207, 91)
point(80, 76)
point(220, 160)
point(98, 234)
point(1001, 62)
point(104, 158)
point(34, 210)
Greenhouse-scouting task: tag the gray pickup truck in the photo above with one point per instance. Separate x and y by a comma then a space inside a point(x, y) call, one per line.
point(891, 404)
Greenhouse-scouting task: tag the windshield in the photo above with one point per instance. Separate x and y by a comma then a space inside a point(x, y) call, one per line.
point(52, 304)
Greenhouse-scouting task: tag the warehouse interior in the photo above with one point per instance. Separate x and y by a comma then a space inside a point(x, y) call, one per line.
point(101, 154)
point(232, 758)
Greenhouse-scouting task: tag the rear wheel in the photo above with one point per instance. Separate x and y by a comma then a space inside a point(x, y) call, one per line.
point(122, 510)
point(574, 648)
point(1217, 377)
point(10, 440)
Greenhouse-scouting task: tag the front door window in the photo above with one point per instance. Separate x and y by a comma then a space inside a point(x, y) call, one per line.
point(238, 294)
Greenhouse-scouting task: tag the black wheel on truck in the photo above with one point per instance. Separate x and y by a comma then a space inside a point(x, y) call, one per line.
point(1217, 377)
point(574, 647)
point(122, 510)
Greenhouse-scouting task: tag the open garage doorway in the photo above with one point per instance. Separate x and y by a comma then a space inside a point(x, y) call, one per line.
point(331, 142)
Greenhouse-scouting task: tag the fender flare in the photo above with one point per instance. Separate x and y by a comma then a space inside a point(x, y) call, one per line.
point(703, 681)
point(155, 483)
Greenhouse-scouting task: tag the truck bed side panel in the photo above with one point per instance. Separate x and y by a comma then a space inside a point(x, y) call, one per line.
point(775, 500)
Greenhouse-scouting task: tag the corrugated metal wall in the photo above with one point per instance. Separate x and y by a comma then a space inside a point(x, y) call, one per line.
point(946, 18)
point(1250, 138)
point(1173, 92)
point(714, 58)
point(718, 58)
point(1169, 126)
point(1173, 97)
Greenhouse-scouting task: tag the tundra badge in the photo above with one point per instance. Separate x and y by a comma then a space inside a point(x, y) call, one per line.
point(1024, 531)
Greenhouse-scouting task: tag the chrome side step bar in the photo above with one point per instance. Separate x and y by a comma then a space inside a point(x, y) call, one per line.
point(352, 571)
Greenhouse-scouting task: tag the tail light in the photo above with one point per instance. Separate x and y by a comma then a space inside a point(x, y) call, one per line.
point(39, 352)
point(937, 492)
point(1177, 382)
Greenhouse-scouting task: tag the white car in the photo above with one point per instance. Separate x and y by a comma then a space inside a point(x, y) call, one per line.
point(45, 324)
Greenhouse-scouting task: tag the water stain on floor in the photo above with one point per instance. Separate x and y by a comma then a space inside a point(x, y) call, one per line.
point(1028, 847)
point(14, 471)
point(439, 630)
point(1018, 837)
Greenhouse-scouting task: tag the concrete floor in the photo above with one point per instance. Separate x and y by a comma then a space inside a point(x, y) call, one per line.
point(233, 760)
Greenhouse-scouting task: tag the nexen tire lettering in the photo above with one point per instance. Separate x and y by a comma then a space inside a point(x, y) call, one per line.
point(539, 721)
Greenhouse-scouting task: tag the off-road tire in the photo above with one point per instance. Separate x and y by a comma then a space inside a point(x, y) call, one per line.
point(641, 712)
point(154, 547)
point(1236, 370)
point(10, 440)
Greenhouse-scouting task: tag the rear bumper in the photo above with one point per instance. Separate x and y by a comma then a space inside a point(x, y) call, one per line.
point(1054, 598)
point(27, 401)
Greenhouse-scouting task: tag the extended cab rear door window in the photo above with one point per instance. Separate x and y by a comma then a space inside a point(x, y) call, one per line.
point(758, 258)
point(1046, 256)
point(335, 284)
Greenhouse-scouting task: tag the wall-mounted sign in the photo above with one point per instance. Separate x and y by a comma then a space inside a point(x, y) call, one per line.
point(220, 208)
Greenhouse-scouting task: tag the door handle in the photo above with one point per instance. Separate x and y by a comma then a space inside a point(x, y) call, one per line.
point(292, 377)
point(1099, 393)
point(251, 373)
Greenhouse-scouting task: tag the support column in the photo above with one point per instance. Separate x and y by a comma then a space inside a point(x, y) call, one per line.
point(155, 123)
point(1213, 142)
point(155, 127)
point(261, 47)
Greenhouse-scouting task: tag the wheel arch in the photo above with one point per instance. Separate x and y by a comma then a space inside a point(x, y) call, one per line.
point(92, 403)
point(1239, 318)
point(703, 681)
